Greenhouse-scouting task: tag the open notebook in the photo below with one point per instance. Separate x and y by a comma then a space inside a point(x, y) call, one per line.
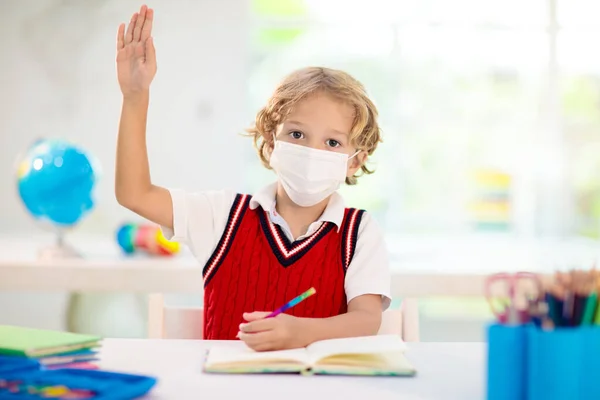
point(368, 355)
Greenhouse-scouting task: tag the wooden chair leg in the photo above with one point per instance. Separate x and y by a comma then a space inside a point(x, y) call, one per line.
point(156, 316)
point(410, 322)
point(183, 323)
point(391, 323)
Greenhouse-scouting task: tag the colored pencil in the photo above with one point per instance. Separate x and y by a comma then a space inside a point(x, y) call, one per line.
point(590, 309)
point(292, 303)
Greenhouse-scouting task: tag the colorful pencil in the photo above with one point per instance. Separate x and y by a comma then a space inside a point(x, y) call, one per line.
point(554, 309)
point(581, 287)
point(590, 309)
point(596, 317)
point(292, 303)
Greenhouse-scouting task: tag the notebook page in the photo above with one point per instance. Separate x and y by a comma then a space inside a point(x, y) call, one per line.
point(394, 364)
point(241, 354)
point(379, 344)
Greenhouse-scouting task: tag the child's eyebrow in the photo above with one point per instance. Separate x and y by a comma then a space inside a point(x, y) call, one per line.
point(339, 133)
point(301, 125)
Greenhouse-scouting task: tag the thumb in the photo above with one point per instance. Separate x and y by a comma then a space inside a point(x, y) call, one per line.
point(150, 51)
point(256, 315)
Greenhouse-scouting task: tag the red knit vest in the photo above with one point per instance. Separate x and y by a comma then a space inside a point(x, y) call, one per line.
point(256, 268)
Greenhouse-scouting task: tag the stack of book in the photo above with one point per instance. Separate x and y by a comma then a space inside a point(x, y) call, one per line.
point(490, 208)
point(52, 349)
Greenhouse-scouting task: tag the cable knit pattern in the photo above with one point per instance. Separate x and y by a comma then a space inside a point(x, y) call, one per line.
point(256, 268)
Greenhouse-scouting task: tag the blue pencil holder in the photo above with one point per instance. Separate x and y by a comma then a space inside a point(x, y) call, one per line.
point(507, 358)
point(528, 363)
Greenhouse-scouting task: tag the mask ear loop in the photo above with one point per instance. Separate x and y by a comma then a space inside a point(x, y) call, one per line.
point(352, 156)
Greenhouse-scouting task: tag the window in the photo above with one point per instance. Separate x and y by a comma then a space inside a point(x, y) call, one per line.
point(579, 86)
point(490, 110)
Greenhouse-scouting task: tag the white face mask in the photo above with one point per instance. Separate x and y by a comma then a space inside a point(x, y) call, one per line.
point(308, 175)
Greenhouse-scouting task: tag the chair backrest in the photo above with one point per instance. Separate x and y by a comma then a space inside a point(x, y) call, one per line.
point(187, 322)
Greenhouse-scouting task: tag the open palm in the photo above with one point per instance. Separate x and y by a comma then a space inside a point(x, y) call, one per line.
point(136, 56)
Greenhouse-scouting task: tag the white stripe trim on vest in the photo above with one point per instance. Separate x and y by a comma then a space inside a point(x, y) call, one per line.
point(232, 223)
point(350, 237)
point(281, 246)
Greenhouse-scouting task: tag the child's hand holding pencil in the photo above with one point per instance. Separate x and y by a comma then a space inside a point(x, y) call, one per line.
point(275, 330)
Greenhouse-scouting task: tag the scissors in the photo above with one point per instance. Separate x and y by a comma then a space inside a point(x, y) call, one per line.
point(515, 298)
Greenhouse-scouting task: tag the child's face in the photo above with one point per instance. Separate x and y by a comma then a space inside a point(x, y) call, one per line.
point(322, 122)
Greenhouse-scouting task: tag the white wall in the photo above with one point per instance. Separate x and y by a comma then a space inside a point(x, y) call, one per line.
point(57, 79)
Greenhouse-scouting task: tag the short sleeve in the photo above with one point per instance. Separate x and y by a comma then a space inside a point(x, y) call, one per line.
point(199, 219)
point(369, 270)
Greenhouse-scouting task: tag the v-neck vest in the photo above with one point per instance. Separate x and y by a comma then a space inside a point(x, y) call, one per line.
point(256, 268)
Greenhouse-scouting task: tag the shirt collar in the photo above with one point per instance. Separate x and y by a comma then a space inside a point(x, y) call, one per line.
point(334, 212)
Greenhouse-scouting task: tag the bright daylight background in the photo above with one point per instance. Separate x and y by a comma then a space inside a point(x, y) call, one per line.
point(490, 111)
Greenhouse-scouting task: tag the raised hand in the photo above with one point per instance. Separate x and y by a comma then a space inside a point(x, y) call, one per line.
point(136, 57)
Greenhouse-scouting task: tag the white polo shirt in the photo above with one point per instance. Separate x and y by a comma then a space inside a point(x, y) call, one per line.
point(199, 219)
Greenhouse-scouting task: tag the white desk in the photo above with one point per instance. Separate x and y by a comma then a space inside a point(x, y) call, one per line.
point(449, 371)
point(421, 267)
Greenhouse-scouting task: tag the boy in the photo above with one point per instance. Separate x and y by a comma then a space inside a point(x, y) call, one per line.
point(259, 251)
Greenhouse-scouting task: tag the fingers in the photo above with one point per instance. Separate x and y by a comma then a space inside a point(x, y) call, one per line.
point(130, 28)
point(150, 51)
point(147, 28)
point(267, 346)
point(121, 37)
point(253, 316)
point(257, 341)
point(259, 325)
point(139, 24)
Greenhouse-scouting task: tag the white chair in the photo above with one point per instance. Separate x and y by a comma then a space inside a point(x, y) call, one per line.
point(187, 322)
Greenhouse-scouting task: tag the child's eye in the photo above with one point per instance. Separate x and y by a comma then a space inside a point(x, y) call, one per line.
point(296, 134)
point(333, 143)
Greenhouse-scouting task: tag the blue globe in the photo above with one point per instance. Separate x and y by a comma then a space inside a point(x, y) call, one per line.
point(56, 182)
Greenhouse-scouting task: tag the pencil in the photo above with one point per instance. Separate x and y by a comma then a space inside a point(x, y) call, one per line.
point(590, 309)
point(568, 308)
point(292, 303)
point(553, 308)
point(581, 289)
point(555, 298)
point(596, 318)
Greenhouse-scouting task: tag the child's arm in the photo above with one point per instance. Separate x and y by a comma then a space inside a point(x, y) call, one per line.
point(362, 319)
point(287, 332)
point(136, 67)
point(133, 186)
point(367, 286)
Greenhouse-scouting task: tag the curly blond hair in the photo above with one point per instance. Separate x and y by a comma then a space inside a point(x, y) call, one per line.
point(365, 133)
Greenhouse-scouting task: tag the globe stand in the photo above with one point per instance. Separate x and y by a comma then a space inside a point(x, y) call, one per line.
point(60, 250)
